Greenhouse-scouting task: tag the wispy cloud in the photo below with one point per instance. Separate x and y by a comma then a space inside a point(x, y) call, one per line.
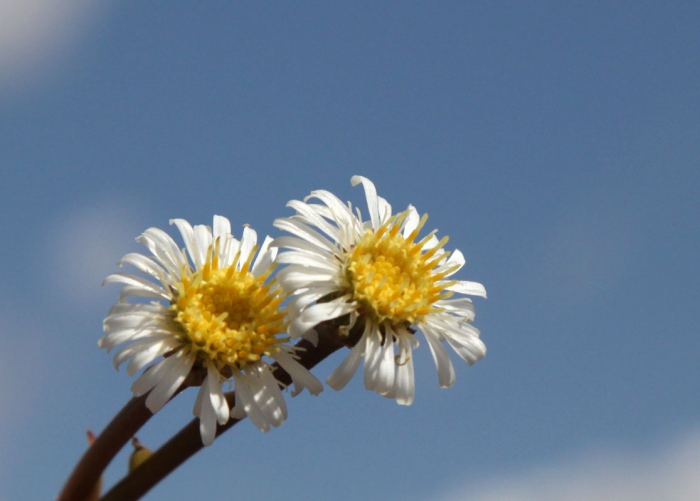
point(34, 32)
point(669, 472)
point(84, 247)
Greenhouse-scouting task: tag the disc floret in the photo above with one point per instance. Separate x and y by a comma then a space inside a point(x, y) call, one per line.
point(392, 277)
point(230, 315)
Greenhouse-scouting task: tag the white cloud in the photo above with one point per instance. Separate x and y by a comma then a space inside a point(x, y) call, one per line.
point(33, 33)
point(669, 473)
point(84, 247)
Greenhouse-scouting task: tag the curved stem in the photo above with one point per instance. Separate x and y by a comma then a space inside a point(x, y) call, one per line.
point(188, 441)
point(108, 443)
point(116, 434)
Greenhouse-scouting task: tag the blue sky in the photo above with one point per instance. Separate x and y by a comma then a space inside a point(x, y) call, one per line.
point(556, 143)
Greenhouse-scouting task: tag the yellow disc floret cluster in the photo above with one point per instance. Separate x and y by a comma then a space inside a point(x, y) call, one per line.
point(392, 277)
point(230, 315)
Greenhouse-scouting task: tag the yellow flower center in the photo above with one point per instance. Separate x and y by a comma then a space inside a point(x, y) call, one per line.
point(228, 314)
point(392, 277)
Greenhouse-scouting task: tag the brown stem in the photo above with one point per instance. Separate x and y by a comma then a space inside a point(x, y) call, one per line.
point(188, 441)
point(108, 443)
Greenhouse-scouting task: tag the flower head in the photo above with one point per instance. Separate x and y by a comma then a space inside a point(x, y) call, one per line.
point(382, 272)
point(220, 315)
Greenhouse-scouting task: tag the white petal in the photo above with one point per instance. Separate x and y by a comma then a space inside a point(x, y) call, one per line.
point(307, 259)
point(461, 306)
point(164, 249)
point(298, 303)
point(296, 243)
point(387, 366)
point(411, 221)
point(197, 408)
point(298, 329)
point(187, 233)
point(372, 201)
point(112, 339)
point(135, 308)
point(454, 263)
point(301, 377)
point(293, 278)
point(431, 242)
point(222, 226)
point(152, 376)
point(269, 397)
point(248, 241)
point(301, 230)
point(373, 356)
point(446, 372)
point(314, 219)
point(205, 412)
point(405, 386)
point(470, 348)
point(346, 370)
point(138, 291)
point(238, 412)
point(146, 265)
point(471, 288)
point(384, 209)
point(216, 395)
point(151, 349)
point(203, 241)
point(265, 257)
point(244, 397)
point(139, 283)
point(327, 311)
point(169, 383)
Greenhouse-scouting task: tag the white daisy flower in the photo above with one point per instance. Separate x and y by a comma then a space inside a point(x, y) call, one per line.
point(220, 315)
point(377, 271)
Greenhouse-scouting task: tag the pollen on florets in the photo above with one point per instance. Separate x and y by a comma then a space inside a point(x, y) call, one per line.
point(393, 277)
point(229, 314)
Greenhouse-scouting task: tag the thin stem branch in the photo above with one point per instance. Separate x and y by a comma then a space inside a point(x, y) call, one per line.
point(116, 434)
point(108, 443)
point(188, 441)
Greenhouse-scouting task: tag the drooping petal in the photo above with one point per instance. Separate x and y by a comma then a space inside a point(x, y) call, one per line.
point(373, 357)
point(245, 394)
point(446, 372)
point(204, 410)
point(387, 366)
point(170, 381)
point(405, 385)
point(301, 377)
point(372, 200)
point(154, 375)
point(347, 369)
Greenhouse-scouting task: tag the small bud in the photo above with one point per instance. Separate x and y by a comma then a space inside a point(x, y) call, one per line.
point(140, 454)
